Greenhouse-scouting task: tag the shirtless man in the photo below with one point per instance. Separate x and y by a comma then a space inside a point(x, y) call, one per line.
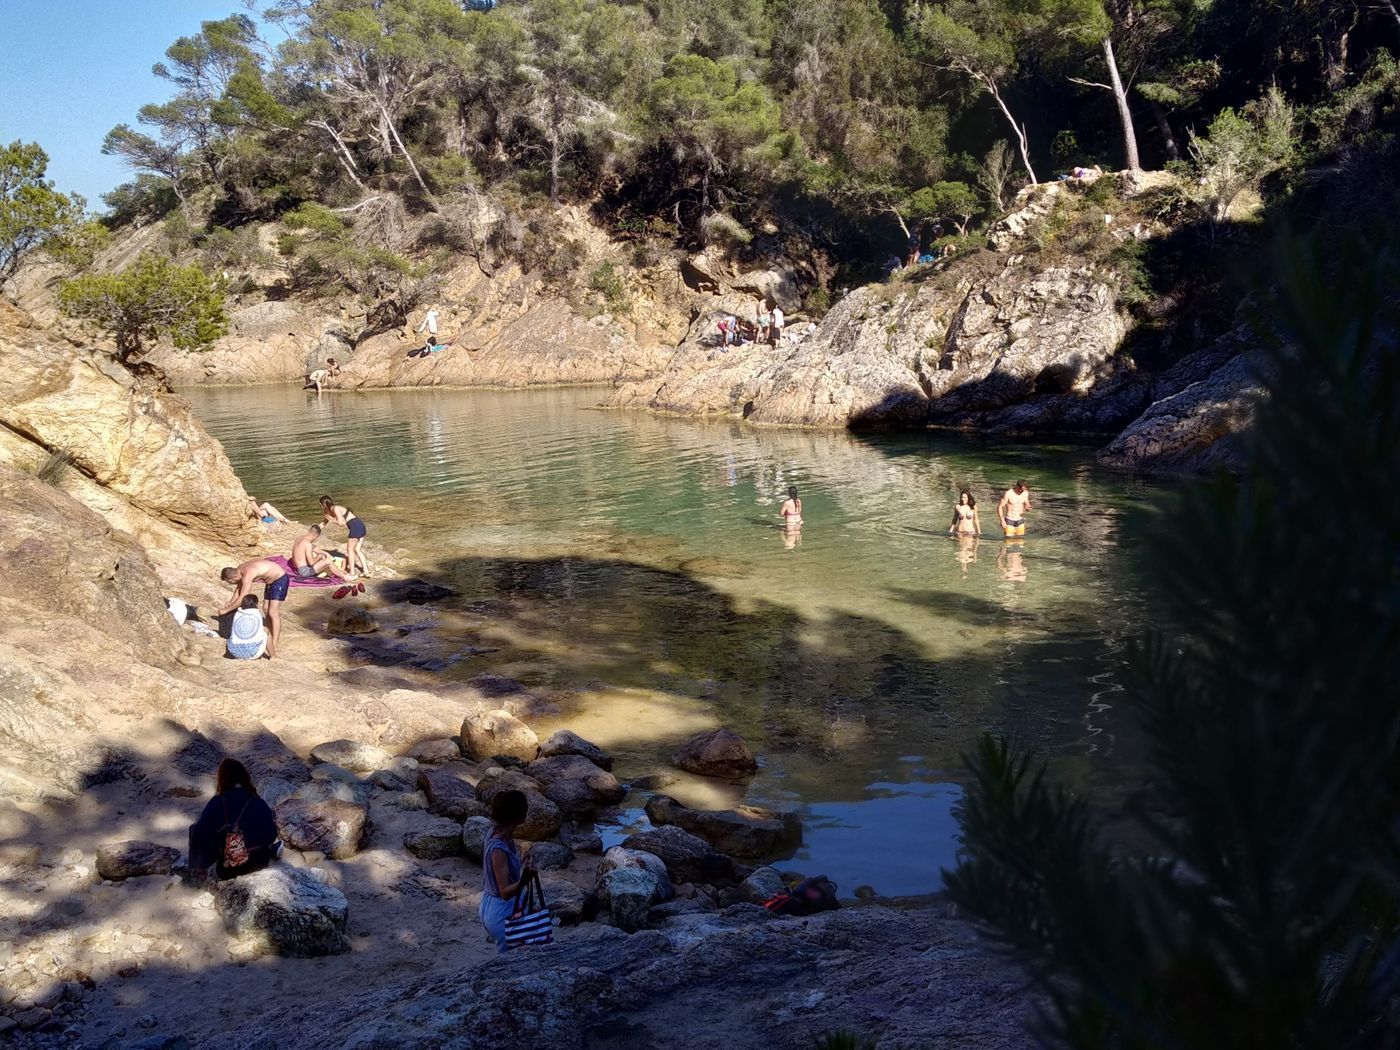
point(307, 560)
point(1011, 511)
point(275, 582)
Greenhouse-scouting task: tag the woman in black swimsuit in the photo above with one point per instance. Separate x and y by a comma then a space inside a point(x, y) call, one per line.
point(339, 515)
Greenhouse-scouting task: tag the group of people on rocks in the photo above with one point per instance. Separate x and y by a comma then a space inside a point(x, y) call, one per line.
point(766, 327)
point(253, 632)
point(236, 834)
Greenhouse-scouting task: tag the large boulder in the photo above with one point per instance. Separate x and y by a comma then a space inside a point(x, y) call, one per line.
point(435, 839)
point(744, 831)
point(133, 858)
point(564, 742)
point(575, 784)
point(630, 893)
point(716, 753)
point(621, 857)
point(687, 858)
point(498, 733)
point(334, 827)
point(451, 791)
point(352, 755)
point(332, 782)
point(290, 909)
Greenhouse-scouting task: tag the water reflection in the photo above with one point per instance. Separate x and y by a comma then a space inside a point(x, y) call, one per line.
point(614, 558)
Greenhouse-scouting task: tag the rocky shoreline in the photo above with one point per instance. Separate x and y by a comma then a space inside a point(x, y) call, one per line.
point(113, 719)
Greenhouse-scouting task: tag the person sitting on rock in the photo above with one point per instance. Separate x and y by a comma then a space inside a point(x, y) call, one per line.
point(502, 870)
point(236, 834)
point(322, 376)
point(247, 640)
point(307, 560)
point(265, 511)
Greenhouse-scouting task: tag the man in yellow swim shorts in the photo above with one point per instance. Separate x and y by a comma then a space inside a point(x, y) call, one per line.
point(1011, 511)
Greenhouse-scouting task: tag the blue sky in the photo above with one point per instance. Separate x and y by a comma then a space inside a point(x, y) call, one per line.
point(70, 70)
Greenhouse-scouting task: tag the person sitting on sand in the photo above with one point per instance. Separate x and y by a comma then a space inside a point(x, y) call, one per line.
point(268, 514)
point(247, 638)
point(334, 513)
point(322, 376)
point(275, 581)
point(236, 834)
point(307, 560)
point(502, 870)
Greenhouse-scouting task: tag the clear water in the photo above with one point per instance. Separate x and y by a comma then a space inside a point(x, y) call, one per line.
point(633, 564)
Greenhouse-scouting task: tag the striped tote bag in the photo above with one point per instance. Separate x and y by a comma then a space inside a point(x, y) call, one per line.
point(530, 921)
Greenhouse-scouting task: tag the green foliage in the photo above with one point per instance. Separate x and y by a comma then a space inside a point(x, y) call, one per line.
point(32, 212)
point(54, 466)
point(78, 246)
point(607, 282)
point(144, 199)
point(1240, 150)
point(1262, 911)
point(953, 200)
point(152, 299)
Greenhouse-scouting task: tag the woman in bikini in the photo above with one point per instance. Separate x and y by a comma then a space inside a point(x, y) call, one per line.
point(791, 513)
point(336, 514)
point(965, 520)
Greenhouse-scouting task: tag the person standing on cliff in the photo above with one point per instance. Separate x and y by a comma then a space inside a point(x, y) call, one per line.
point(275, 581)
point(775, 325)
point(430, 325)
point(1011, 511)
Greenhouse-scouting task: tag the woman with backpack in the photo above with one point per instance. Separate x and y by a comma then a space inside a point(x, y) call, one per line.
point(236, 834)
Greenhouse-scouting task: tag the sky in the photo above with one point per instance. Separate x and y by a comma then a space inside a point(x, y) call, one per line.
point(71, 70)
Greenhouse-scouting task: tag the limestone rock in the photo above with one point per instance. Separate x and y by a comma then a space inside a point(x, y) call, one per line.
point(293, 911)
point(475, 832)
point(352, 755)
point(563, 742)
point(334, 827)
point(716, 753)
point(687, 858)
point(621, 857)
point(745, 831)
point(432, 752)
point(575, 785)
point(764, 884)
point(550, 856)
point(435, 839)
point(132, 858)
point(351, 620)
point(630, 892)
point(498, 733)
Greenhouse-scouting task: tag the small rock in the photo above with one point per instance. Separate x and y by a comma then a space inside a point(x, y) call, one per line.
point(297, 914)
point(335, 827)
point(498, 733)
point(764, 884)
point(697, 905)
point(550, 856)
point(630, 892)
point(620, 857)
point(411, 800)
point(591, 842)
point(450, 792)
point(866, 893)
point(134, 858)
point(32, 1018)
point(351, 755)
point(567, 902)
point(687, 858)
point(654, 781)
point(7, 1024)
point(575, 784)
point(437, 839)
point(431, 752)
point(351, 620)
point(566, 743)
point(716, 753)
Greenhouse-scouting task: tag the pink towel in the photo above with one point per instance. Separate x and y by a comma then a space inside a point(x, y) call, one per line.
point(303, 581)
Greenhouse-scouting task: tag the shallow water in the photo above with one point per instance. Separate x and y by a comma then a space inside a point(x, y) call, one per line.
point(634, 564)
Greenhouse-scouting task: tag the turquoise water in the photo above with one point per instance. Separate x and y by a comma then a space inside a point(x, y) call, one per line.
point(631, 566)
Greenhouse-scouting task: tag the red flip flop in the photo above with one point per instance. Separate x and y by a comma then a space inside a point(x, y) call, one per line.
point(359, 588)
point(341, 592)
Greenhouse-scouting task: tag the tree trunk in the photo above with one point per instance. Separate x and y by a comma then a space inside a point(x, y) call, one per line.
point(407, 156)
point(342, 154)
point(1125, 114)
point(990, 86)
point(556, 131)
point(1164, 126)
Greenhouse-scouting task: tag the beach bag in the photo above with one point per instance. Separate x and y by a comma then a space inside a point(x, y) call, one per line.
point(806, 898)
point(235, 852)
point(530, 921)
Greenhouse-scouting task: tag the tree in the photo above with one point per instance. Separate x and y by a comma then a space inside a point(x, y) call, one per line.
point(1261, 911)
point(976, 40)
point(1239, 151)
point(954, 200)
point(1096, 22)
point(31, 210)
point(153, 298)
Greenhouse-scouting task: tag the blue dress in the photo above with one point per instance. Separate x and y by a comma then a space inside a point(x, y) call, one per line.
point(494, 909)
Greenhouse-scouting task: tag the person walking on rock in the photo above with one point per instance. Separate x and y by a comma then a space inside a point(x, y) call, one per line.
point(275, 581)
point(336, 514)
point(502, 870)
point(236, 834)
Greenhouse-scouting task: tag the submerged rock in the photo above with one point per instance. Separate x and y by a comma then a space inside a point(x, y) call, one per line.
point(291, 910)
point(716, 753)
point(564, 742)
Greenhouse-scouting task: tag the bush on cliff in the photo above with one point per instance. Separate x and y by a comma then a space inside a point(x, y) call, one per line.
point(153, 298)
point(1265, 914)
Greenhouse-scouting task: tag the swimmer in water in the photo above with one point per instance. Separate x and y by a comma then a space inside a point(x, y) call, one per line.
point(791, 510)
point(965, 520)
point(1011, 511)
